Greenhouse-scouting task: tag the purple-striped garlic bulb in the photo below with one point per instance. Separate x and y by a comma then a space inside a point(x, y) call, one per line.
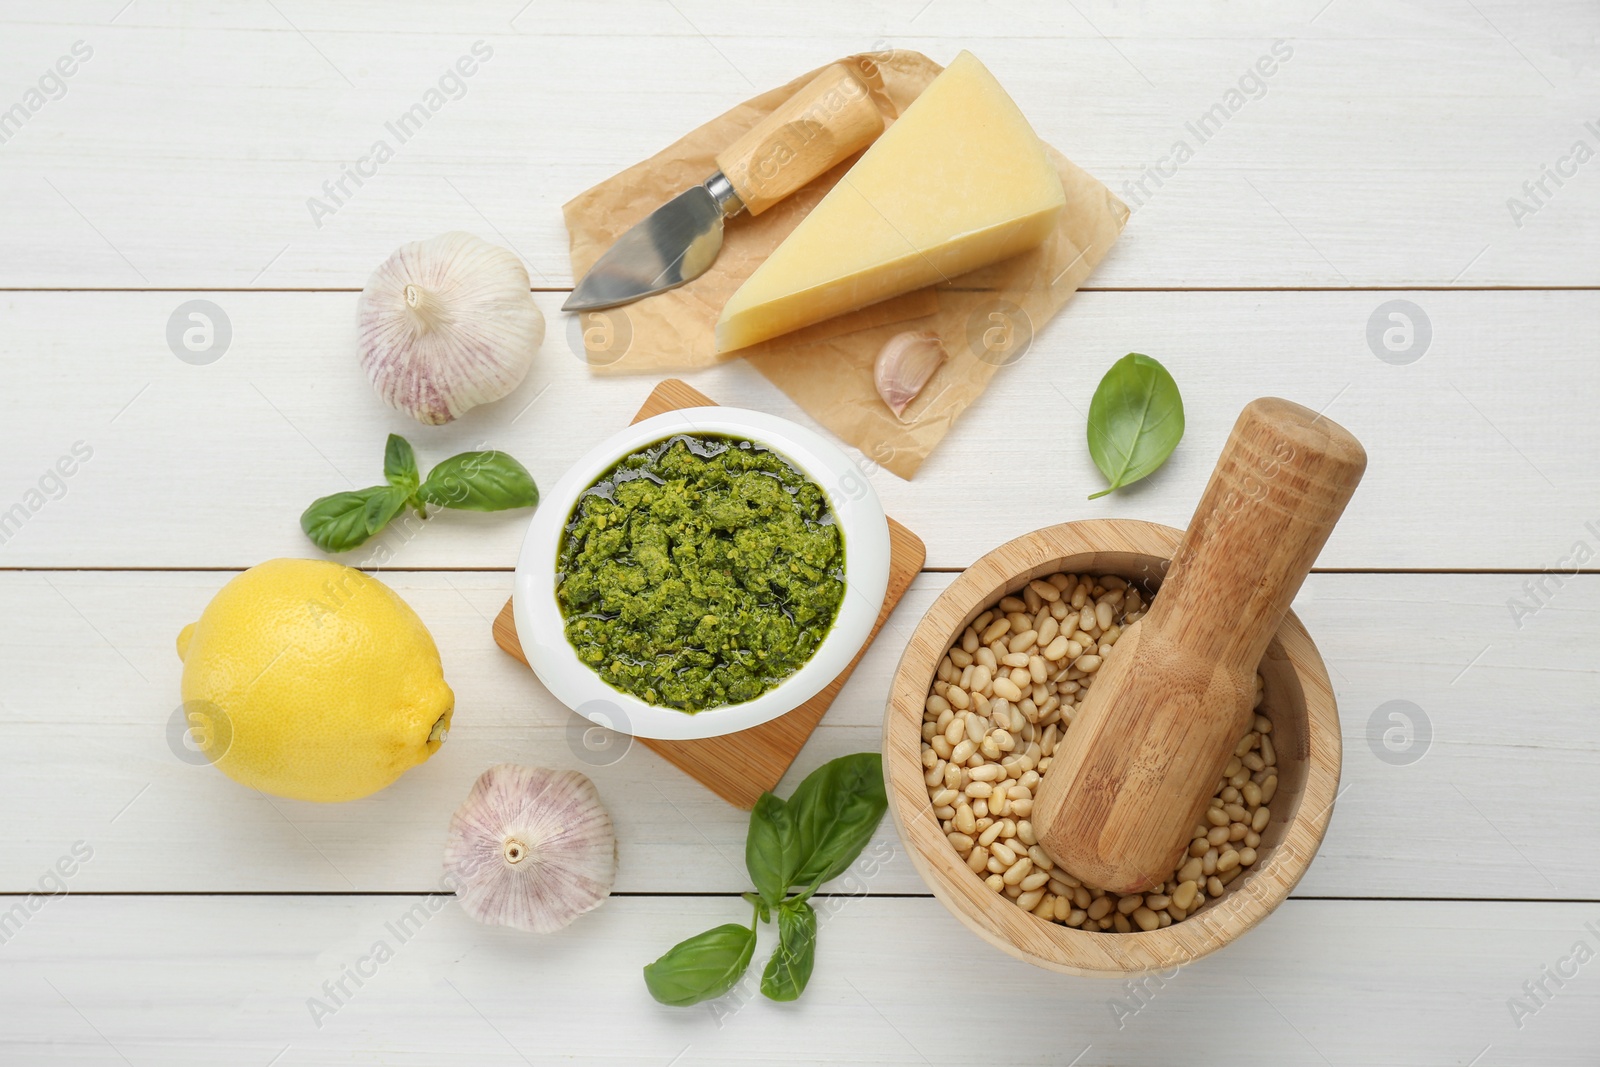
point(447, 324)
point(531, 848)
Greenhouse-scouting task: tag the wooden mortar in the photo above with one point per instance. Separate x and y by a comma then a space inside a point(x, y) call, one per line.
point(1299, 702)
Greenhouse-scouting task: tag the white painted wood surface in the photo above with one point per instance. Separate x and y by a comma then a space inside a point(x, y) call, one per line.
point(1382, 152)
point(227, 980)
point(1469, 470)
point(91, 688)
point(1376, 165)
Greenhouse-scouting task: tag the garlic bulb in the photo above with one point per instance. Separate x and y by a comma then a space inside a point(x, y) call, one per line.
point(531, 848)
point(904, 366)
point(447, 324)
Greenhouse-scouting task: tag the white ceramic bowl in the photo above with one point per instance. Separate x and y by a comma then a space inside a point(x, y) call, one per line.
point(866, 566)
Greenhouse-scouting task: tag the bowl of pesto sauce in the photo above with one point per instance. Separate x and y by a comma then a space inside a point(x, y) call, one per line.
point(702, 572)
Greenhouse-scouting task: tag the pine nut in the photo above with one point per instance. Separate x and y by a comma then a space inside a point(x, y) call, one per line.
point(1146, 919)
point(1034, 880)
point(1021, 869)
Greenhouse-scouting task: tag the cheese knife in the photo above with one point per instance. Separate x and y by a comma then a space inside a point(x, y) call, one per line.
point(830, 119)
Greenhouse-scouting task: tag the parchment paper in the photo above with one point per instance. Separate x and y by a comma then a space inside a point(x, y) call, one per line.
point(986, 319)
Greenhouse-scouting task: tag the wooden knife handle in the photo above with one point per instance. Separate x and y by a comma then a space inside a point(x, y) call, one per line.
point(1135, 773)
point(831, 119)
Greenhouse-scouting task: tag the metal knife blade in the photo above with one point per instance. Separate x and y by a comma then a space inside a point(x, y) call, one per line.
point(675, 243)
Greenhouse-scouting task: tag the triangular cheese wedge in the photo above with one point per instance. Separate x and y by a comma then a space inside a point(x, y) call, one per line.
point(959, 181)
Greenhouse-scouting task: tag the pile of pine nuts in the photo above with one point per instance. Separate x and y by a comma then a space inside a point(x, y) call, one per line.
point(1004, 695)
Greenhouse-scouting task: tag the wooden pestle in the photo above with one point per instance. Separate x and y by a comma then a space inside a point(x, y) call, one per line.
point(1133, 776)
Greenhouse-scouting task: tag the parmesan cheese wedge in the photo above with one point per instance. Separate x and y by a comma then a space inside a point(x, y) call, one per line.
point(959, 181)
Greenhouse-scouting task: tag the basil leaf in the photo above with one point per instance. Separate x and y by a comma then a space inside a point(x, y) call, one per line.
point(789, 969)
point(342, 521)
point(703, 967)
point(1135, 420)
point(383, 504)
point(771, 848)
point(400, 464)
point(480, 481)
point(835, 811)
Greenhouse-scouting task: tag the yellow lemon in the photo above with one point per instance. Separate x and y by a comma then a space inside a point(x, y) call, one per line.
point(311, 680)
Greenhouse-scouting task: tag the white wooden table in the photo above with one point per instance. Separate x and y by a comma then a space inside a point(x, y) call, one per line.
point(1373, 166)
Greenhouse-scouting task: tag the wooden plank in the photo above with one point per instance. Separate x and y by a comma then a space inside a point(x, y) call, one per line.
point(741, 766)
point(187, 151)
point(206, 980)
point(1497, 716)
point(1479, 452)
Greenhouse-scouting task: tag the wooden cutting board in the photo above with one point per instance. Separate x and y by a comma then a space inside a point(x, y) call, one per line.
point(739, 767)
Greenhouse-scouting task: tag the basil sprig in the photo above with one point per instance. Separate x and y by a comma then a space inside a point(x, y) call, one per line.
point(796, 844)
point(1135, 420)
point(471, 481)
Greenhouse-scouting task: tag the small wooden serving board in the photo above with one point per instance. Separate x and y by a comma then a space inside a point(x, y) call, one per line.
point(739, 767)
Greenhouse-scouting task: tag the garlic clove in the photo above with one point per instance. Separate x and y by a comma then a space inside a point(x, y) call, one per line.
point(905, 363)
point(531, 848)
point(447, 324)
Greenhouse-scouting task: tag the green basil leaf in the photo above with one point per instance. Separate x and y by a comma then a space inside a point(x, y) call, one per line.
point(789, 969)
point(835, 811)
point(1135, 420)
point(771, 848)
point(703, 967)
point(383, 504)
point(342, 521)
point(400, 464)
point(480, 481)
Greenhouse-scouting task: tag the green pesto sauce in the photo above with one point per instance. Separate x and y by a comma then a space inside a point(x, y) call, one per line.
point(700, 571)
